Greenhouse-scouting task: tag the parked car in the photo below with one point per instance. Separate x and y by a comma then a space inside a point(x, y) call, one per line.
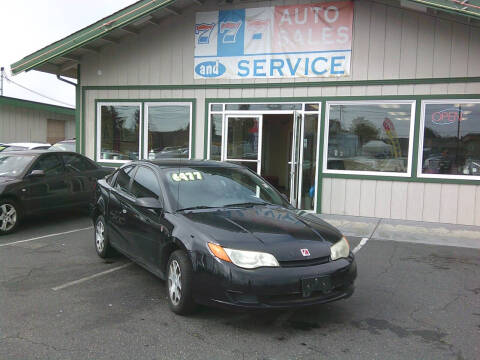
point(36, 181)
point(26, 146)
point(65, 145)
point(220, 235)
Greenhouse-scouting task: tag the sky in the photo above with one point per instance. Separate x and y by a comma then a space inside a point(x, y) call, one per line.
point(28, 25)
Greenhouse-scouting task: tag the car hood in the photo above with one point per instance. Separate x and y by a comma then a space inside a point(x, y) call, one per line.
point(279, 231)
point(7, 179)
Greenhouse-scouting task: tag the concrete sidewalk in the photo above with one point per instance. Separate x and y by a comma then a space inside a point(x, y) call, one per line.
point(406, 231)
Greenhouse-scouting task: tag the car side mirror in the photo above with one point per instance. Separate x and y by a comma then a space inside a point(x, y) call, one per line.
point(36, 173)
point(149, 203)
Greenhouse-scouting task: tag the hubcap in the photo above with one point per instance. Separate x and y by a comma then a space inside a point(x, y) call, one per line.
point(8, 217)
point(99, 236)
point(175, 282)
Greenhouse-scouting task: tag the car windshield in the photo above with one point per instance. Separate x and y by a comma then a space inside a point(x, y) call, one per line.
point(63, 146)
point(14, 165)
point(212, 187)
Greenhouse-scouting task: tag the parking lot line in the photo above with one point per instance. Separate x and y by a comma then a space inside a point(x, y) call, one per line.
point(45, 236)
point(79, 281)
point(359, 246)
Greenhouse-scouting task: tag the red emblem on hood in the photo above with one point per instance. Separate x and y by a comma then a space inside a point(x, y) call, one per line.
point(305, 252)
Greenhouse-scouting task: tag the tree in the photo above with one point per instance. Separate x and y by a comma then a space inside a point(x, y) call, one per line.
point(364, 129)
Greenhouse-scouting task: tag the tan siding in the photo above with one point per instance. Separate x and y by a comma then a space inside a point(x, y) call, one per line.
point(19, 124)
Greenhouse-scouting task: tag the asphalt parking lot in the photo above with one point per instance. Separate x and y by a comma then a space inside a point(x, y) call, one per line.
point(58, 300)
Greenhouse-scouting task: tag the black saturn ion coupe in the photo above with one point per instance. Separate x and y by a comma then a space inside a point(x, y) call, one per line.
point(220, 235)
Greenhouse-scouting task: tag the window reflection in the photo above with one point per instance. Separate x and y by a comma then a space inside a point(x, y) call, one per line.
point(215, 137)
point(242, 138)
point(451, 141)
point(369, 137)
point(119, 132)
point(168, 131)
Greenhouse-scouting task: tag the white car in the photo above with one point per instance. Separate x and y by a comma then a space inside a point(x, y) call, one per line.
point(26, 146)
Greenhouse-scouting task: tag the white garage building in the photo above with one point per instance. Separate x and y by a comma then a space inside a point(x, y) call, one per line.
point(30, 121)
point(367, 108)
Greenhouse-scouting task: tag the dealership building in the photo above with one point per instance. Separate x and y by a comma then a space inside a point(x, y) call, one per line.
point(364, 108)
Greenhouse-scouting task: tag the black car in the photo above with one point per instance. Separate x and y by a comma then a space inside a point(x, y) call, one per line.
point(220, 235)
point(37, 181)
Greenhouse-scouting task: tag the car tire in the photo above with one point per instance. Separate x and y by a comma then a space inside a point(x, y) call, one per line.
point(10, 215)
point(179, 283)
point(100, 237)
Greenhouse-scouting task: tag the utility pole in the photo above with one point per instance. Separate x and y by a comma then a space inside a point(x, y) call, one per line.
point(2, 69)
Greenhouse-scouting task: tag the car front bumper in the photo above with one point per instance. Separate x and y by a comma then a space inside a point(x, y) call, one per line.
point(224, 284)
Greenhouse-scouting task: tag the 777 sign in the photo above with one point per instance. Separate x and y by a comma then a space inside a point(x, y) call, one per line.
point(204, 31)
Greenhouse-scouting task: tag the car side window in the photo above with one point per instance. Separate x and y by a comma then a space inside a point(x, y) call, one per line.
point(124, 176)
point(50, 164)
point(145, 184)
point(77, 162)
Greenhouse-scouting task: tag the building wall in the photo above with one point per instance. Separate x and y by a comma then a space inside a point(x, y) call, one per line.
point(388, 43)
point(18, 124)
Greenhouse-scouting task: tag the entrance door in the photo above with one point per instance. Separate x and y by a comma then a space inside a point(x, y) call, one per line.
point(243, 140)
point(295, 160)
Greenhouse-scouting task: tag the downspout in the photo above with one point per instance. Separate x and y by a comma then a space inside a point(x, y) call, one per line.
point(77, 107)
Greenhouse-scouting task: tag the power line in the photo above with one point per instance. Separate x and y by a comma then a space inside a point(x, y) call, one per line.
point(36, 92)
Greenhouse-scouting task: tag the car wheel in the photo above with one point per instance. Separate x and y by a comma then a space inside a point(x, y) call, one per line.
point(102, 245)
point(9, 216)
point(179, 283)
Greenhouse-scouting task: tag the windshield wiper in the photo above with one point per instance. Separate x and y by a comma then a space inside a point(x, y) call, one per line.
point(198, 207)
point(250, 203)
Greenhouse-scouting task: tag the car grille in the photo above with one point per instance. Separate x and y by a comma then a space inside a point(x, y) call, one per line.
point(306, 262)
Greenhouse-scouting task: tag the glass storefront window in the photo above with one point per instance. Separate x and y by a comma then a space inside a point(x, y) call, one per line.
point(309, 166)
point(312, 107)
point(167, 132)
point(216, 136)
point(260, 107)
point(216, 107)
point(451, 138)
point(119, 128)
point(369, 137)
point(243, 137)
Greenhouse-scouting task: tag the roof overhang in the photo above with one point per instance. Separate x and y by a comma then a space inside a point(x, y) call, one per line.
point(4, 100)
point(63, 56)
point(470, 8)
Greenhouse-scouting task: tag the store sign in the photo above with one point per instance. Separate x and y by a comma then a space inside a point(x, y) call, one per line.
point(295, 41)
point(447, 116)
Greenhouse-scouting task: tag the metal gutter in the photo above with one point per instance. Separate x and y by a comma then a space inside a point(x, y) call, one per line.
point(470, 9)
point(92, 32)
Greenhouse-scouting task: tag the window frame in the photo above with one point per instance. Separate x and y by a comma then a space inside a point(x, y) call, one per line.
point(160, 197)
point(411, 139)
point(114, 185)
point(421, 138)
point(98, 140)
point(43, 156)
point(146, 120)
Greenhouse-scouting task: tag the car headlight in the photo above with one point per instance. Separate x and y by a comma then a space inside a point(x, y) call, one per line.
point(243, 258)
point(341, 249)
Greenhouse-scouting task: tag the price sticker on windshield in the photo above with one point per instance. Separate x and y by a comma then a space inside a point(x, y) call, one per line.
point(187, 176)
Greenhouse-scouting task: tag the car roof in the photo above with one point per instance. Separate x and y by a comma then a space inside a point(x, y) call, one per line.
point(186, 163)
point(28, 145)
point(38, 152)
